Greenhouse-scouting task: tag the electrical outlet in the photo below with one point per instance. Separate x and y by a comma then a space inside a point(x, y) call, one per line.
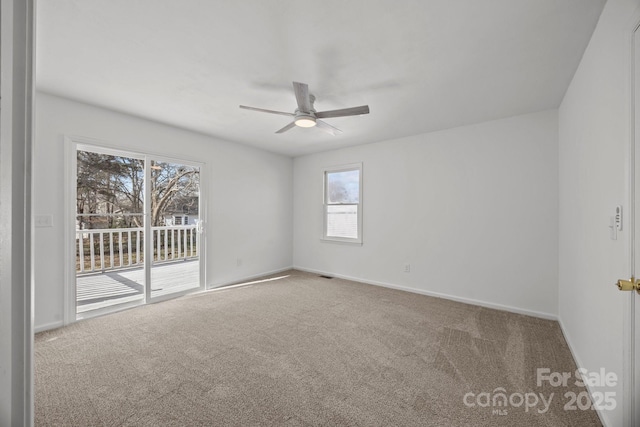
point(407, 268)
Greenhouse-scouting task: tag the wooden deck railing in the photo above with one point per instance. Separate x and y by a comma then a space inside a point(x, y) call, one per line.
point(115, 248)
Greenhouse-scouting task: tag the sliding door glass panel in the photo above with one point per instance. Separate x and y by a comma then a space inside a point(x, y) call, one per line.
point(175, 226)
point(109, 230)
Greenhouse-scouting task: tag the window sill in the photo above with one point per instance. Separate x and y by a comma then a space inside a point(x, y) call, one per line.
point(341, 241)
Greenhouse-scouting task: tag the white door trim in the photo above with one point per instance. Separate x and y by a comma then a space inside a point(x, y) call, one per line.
point(631, 389)
point(16, 192)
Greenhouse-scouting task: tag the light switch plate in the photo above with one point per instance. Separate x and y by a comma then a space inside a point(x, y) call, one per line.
point(43, 221)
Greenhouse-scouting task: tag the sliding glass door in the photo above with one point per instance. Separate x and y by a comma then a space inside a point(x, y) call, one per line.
point(138, 229)
point(109, 232)
point(175, 225)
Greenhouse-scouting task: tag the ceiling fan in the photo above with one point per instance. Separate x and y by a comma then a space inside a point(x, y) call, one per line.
point(306, 116)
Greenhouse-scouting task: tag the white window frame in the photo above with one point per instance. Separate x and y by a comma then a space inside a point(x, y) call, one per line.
point(334, 169)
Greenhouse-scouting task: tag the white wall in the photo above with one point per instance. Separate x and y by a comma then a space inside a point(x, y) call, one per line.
point(474, 210)
point(250, 195)
point(594, 142)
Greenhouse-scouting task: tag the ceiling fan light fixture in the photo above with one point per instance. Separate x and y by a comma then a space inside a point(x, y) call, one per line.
point(305, 122)
point(305, 116)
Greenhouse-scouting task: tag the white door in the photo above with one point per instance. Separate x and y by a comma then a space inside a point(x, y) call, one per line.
point(175, 226)
point(109, 234)
point(633, 346)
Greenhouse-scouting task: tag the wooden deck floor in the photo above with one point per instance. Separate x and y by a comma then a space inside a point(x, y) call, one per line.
point(99, 290)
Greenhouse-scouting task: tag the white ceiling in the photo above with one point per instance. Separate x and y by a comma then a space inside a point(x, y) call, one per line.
point(421, 65)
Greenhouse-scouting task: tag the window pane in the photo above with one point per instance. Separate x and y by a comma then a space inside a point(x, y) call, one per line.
point(175, 192)
point(343, 187)
point(342, 221)
point(108, 185)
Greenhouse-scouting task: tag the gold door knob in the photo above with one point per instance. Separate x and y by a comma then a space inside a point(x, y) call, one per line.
point(632, 284)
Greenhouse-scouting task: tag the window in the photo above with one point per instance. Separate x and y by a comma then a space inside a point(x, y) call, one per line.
point(343, 203)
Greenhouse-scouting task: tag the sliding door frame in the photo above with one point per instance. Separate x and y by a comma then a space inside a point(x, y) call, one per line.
point(74, 143)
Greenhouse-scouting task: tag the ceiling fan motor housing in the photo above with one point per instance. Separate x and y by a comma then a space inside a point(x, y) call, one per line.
point(305, 120)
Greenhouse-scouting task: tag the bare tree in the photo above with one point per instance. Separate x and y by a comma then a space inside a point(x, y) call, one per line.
point(171, 185)
point(110, 185)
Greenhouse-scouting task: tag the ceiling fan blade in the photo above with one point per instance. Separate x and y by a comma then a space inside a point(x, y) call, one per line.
point(302, 96)
point(353, 111)
point(287, 127)
point(282, 113)
point(327, 128)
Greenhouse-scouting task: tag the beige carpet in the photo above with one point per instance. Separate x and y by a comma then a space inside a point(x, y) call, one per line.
point(301, 351)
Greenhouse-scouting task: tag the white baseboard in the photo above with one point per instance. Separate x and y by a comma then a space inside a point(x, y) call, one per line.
point(48, 326)
point(247, 278)
point(580, 365)
point(480, 303)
